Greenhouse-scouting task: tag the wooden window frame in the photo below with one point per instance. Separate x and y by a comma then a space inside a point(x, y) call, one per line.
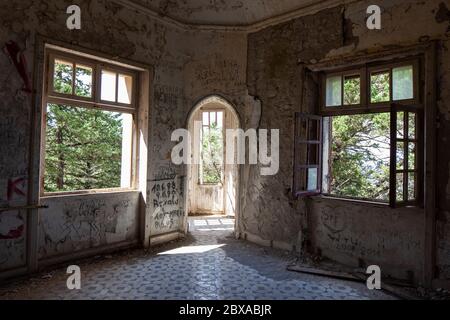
point(418, 156)
point(365, 71)
point(301, 182)
point(366, 106)
point(93, 102)
point(89, 102)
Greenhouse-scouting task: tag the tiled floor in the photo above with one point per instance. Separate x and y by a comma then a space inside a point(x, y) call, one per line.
point(209, 264)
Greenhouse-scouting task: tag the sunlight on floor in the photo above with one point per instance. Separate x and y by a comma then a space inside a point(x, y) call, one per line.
point(192, 249)
point(212, 224)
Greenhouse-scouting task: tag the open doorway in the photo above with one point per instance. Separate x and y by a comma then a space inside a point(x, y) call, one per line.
point(212, 182)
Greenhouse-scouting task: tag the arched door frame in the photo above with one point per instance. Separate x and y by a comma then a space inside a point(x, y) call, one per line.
point(220, 100)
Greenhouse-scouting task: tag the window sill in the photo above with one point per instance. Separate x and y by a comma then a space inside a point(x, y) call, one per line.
point(351, 200)
point(49, 195)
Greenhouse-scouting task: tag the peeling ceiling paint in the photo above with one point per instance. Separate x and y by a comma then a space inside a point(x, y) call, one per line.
point(225, 12)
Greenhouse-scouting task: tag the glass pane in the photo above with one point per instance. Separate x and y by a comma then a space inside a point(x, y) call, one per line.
point(334, 91)
point(352, 90)
point(205, 116)
point(84, 149)
point(400, 155)
point(108, 92)
point(212, 153)
point(379, 87)
point(411, 125)
point(313, 126)
point(313, 154)
point(411, 186)
point(402, 83)
point(125, 89)
point(400, 125)
point(411, 156)
point(399, 187)
point(360, 156)
point(63, 76)
point(220, 119)
point(212, 119)
point(83, 81)
point(312, 179)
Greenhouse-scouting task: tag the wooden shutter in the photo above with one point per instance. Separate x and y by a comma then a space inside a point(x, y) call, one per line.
point(307, 154)
point(406, 156)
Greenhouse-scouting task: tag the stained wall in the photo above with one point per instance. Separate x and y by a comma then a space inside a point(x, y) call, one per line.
point(349, 232)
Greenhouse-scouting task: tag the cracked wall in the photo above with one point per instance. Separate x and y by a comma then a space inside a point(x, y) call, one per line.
point(262, 76)
point(209, 62)
point(344, 231)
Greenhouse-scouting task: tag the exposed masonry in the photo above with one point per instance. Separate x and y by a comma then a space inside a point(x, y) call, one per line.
point(261, 75)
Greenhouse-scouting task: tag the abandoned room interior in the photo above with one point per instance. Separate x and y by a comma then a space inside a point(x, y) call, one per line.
point(211, 149)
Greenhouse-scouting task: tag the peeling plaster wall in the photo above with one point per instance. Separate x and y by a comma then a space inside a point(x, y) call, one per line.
point(112, 30)
point(87, 221)
point(443, 164)
point(261, 76)
point(187, 66)
point(348, 232)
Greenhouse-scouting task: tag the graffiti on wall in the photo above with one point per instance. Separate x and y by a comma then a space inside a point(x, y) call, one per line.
point(166, 204)
point(336, 231)
point(12, 238)
point(11, 225)
point(78, 224)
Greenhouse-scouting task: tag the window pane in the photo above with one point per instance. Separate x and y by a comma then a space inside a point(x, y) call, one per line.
point(212, 155)
point(411, 186)
point(205, 118)
point(108, 90)
point(83, 148)
point(212, 119)
point(400, 125)
point(125, 89)
point(400, 155)
point(411, 156)
point(402, 83)
point(352, 90)
point(399, 187)
point(63, 76)
point(313, 154)
point(83, 81)
point(314, 130)
point(334, 91)
point(360, 156)
point(220, 119)
point(312, 179)
point(411, 125)
point(379, 87)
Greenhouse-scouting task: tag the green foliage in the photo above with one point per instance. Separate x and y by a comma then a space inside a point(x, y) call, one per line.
point(360, 156)
point(379, 85)
point(212, 154)
point(352, 91)
point(83, 146)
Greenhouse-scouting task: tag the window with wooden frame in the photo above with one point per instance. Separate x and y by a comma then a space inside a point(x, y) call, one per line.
point(307, 157)
point(89, 131)
point(370, 142)
point(211, 169)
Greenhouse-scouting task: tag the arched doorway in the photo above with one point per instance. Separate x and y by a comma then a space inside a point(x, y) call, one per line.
point(212, 183)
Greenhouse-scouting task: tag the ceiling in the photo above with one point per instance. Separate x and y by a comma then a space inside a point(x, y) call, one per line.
point(226, 12)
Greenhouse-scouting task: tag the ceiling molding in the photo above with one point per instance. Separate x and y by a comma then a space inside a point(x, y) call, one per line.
point(308, 9)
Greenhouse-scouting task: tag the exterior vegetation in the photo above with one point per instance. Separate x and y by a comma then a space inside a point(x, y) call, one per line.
point(83, 146)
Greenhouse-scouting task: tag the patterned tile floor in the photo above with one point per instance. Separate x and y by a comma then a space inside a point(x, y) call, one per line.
point(209, 264)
